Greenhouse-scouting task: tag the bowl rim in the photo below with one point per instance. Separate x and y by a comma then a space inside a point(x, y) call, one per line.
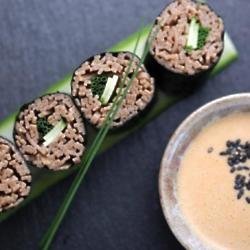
point(161, 184)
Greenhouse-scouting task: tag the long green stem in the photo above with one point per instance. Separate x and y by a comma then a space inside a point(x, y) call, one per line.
point(48, 238)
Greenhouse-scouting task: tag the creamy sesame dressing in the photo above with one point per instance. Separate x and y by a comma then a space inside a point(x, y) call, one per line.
point(213, 183)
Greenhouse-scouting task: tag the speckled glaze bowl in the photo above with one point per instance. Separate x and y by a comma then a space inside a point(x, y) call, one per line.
point(170, 164)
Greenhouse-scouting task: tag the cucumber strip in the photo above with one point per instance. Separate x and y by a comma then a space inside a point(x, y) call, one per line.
point(42, 180)
point(193, 33)
point(109, 89)
point(54, 133)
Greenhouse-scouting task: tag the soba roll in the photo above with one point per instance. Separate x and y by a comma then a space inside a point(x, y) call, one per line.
point(50, 132)
point(96, 83)
point(15, 176)
point(188, 40)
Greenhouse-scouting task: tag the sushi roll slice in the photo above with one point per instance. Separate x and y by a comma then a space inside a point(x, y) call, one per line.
point(15, 176)
point(96, 83)
point(50, 132)
point(188, 40)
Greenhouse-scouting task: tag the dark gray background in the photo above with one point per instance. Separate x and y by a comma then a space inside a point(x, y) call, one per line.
point(117, 206)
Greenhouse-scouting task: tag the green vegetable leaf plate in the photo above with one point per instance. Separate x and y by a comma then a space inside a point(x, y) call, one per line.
point(43, 179)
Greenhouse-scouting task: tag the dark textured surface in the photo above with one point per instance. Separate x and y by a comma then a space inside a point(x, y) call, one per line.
point(117, 206)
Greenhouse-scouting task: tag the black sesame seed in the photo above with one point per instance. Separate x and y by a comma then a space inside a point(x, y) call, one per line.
point(237, 142)
point(238, 176)
point(240, 180)
point(243, 158)
point(240, 168)
point(229, 143)
point(240, 194)
point(223, 153)
point(248, 185)
point(230, 162)
point(236, 160)
point(241, 183)
point(248, 200)
point(237, 187)
point(248, 153)
point(232, 170)
point(210, 150)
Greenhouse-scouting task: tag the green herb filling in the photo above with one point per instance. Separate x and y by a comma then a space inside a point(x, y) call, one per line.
point(43, 126)
point(98, 83)
point(202, 37)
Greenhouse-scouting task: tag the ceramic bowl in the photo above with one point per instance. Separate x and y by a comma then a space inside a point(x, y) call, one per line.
point(170, 164)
